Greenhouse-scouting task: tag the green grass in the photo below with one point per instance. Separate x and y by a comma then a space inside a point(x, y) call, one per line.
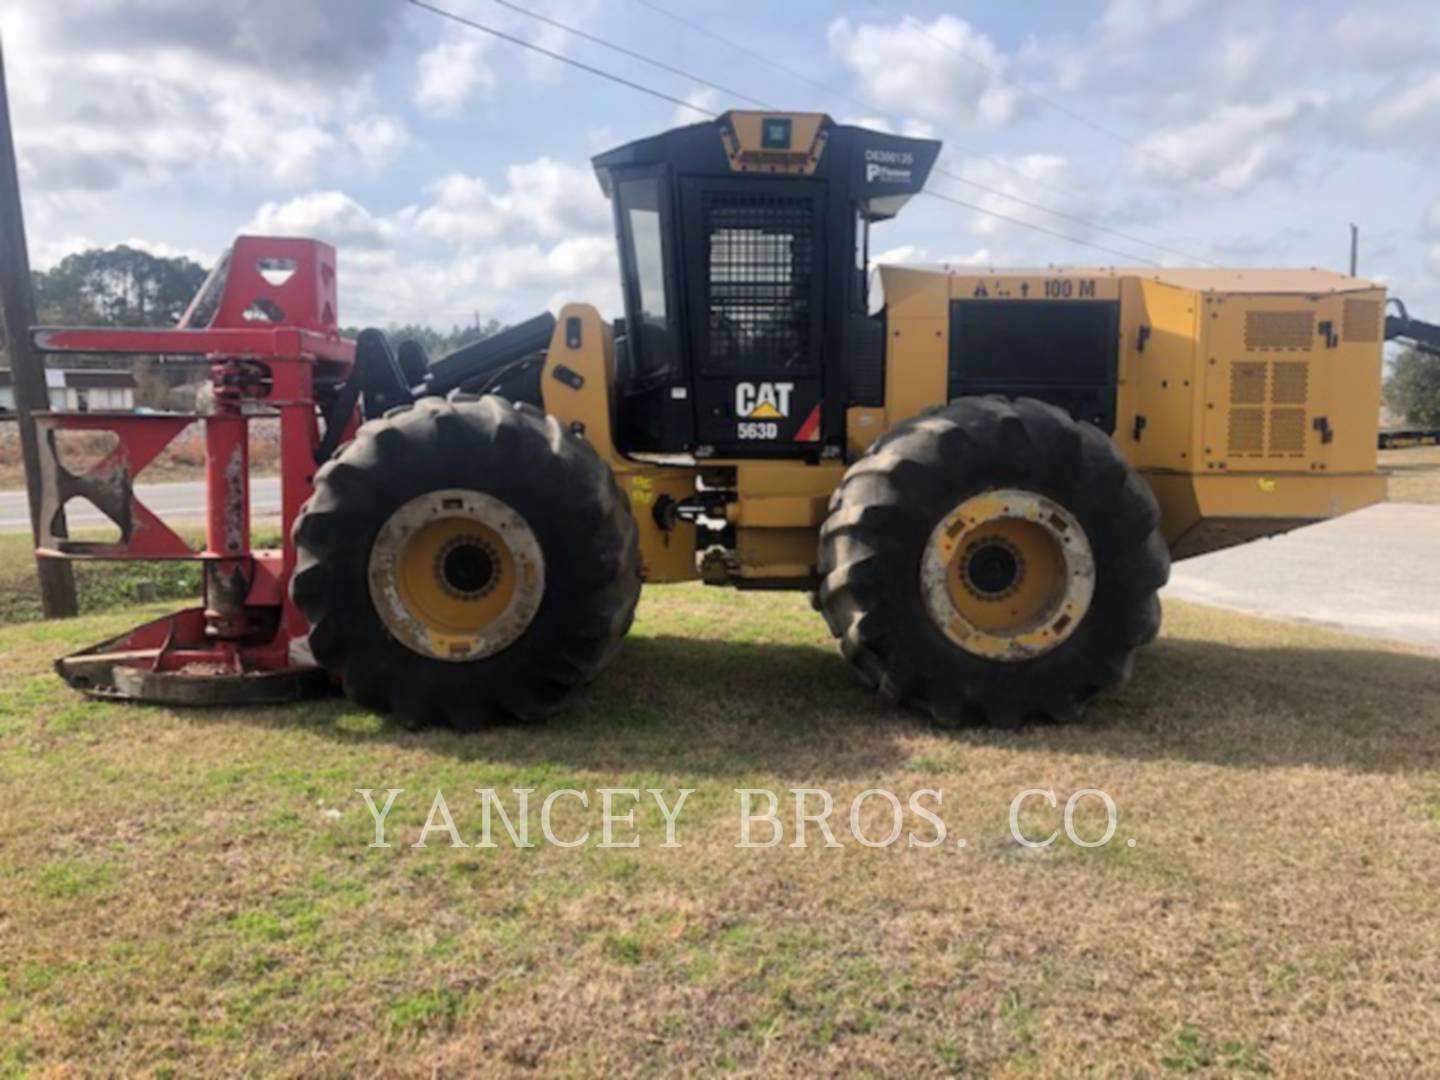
point(99, 586)
point(191, 892)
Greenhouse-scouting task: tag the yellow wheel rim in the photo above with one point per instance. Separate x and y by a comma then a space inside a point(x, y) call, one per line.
point(456, 575)
point(1007, 574)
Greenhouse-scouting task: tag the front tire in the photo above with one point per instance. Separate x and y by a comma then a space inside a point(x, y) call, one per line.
point(465, 563)
point(993, 562)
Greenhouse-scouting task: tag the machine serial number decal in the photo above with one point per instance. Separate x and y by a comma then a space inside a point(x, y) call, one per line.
point(755, 430)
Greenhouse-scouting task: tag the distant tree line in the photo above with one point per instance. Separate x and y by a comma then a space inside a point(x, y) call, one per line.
point(1412, 390)
point(119, 286)
point(125, 286)
point(435, 343)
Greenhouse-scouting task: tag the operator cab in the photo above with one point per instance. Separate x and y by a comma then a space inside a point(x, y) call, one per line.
point(743, 250)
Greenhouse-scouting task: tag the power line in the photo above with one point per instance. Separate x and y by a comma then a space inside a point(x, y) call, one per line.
point(871, 107)
point(1078, 117)
point(1070, 217)
point(596, 39)
point(652, 92)
point(832, 91)
point(1039, 228)
point(623, 51)
point(620, 80)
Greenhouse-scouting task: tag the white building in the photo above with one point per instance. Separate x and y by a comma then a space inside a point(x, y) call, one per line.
point(78, 390)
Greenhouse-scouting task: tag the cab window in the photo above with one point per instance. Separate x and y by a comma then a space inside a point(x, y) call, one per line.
point(651, 327)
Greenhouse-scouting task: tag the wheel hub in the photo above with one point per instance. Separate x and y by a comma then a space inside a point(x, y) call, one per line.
point(456, 575)
point(992, 568)
point(1007, 574)
point(467, 567)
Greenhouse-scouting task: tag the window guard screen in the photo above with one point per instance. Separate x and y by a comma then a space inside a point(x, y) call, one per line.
point(761, 268)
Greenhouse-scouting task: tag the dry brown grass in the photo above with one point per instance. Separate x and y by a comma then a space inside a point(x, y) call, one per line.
point(191, 892)
point(1414, 473)
point(182, 459)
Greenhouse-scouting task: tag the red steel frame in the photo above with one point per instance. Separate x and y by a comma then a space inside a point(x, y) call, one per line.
point(273, 342)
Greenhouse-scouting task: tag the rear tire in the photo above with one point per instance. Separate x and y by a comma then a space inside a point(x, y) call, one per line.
point(465, 563)
point(932, 490)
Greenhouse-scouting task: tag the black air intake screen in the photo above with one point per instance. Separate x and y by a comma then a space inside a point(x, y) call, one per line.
point(761, 284)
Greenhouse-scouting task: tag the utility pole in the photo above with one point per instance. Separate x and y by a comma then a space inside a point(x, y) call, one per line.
point(1354, 246)
point(27, 370)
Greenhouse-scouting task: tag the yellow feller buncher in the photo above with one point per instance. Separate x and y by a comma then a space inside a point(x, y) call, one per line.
point(980, 475)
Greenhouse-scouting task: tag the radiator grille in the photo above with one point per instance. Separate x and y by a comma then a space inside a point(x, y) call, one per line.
point(1361, 321)
point(1279, 329)
point(1268, 407)
point(1287, 431)
point(1289, 382)
point(1247, 383)
point(762, 279)
point(1247, 431)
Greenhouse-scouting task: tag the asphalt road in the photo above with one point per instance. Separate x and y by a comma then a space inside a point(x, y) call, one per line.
point(182, 501)
point(1375, 573)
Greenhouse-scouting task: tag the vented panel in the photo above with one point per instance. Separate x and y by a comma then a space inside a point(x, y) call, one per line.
point(1361, 321)
point(1287, 431)
point(1267, 407)
point(1247, 383)
point(1289, 382)
point(762, 279)
point(1247, 431)
point(1279, 329)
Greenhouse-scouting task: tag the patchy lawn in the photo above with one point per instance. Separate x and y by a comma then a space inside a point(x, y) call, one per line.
point(1414, 473)
point(103, 586)
point(191, 892)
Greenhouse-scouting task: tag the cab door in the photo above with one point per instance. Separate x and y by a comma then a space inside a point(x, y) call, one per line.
point(756, 270)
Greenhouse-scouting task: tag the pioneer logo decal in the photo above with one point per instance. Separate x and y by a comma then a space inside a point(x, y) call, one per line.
point(888, 166)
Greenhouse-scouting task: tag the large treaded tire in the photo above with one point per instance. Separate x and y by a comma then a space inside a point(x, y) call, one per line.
point(891, 499)
point(551, 477)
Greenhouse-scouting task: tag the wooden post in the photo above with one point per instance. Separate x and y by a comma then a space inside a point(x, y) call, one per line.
point(27, 370)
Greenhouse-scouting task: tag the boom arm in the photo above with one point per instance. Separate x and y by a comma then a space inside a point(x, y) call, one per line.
point(1416, 333)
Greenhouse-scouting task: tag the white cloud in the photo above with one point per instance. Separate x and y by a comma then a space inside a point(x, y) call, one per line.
point(1414, 109)
point(915, 255)
point(905, 254)
point(451, 72)
point(1234, 148)
point(1431, 226)
point(543, 197)
point(108, 95)
point(542, 238)
point(706, 100)
point(1037, 179)
point(47, 255)
point(946, 70)
point(331, 216)
point(377, 139)
point(910, 127)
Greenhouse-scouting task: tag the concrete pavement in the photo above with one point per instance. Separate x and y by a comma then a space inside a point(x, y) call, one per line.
point(1375, 572)
point(180, 501)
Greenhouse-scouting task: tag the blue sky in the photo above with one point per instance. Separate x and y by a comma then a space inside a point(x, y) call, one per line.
point(451, 169)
